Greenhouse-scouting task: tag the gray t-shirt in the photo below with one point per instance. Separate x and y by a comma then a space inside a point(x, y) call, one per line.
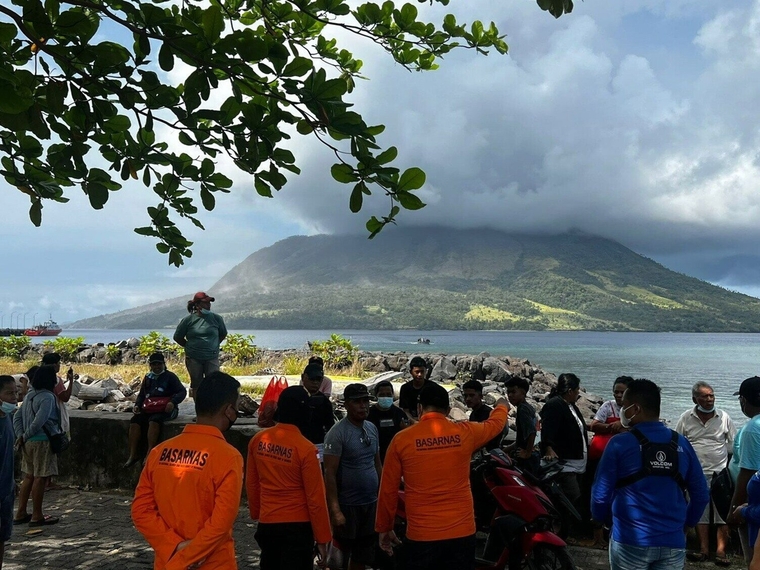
point(356, 447)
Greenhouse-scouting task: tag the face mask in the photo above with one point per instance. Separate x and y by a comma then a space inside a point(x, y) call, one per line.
point(705, 411)
point(624, 420)
point(205, 311)
point(152, 375)
point(232, 422)
point(8, 408)
point(385, 402)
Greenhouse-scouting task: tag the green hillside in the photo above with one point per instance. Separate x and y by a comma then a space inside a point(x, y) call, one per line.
point(457, 279)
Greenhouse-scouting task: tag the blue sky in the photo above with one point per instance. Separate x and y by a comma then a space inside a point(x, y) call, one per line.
point(633, 119)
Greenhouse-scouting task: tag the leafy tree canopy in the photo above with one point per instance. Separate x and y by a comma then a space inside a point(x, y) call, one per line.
point(74, 112)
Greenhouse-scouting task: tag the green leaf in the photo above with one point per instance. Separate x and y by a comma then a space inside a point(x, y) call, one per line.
point(357, 197)
point(409, 201)
point(165, 57)
point(97, 193)
point(411, 179)
point(373, 226)
point(7, 32)
point(343, 173)
point(117, 124)
point(388, 155)
point(262, 188)
point(298, 67)
point(213, 23)
point(35, 213)
point(304, 127)
point(208, 199)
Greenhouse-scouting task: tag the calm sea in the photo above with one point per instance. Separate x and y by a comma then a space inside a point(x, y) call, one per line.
point(674, 360)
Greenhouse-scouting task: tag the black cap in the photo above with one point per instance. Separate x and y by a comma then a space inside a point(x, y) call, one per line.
point(157, 357)
point(314, 371)
point(355, 392)
point(750, 390)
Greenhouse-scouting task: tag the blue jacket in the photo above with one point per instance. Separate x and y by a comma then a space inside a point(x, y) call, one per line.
point(652, 511)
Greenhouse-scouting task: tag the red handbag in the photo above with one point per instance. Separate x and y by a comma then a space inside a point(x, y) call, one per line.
point(155, 405)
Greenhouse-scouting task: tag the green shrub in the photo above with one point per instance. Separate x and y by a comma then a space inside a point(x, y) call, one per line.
point(113, 354)
point(337, 351)
point(240, 348)
point(155, 342)
point(293, 365)
point(14, 347)
point(65, 346)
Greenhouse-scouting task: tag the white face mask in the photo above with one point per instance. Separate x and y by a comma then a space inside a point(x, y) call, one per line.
point(705, 411)
point(624, 420)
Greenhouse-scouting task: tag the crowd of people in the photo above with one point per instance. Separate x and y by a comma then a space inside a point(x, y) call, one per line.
point(330, 489)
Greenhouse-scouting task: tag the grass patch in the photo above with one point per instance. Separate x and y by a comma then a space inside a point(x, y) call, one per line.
point(488, 314)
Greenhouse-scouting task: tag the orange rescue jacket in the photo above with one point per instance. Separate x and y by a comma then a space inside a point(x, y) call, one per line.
point(284, 480)
point(433, 457)
point(190, 490)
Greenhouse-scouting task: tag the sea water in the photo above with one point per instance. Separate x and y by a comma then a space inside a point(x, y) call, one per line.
point(673, 360)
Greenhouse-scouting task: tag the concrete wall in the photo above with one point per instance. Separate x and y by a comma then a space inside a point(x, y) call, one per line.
point(99, 448)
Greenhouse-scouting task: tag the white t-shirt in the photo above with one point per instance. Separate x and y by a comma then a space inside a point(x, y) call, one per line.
point(577, 465)
point(609, 409)
point(712, 441)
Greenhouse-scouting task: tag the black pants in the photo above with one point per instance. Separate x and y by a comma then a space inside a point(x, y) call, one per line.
point(452, 554)
point(285, 546)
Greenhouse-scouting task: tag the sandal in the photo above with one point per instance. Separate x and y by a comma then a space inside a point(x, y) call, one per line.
point(47, 520)
point(722, 561)
point(22, 520)
point(695, 556)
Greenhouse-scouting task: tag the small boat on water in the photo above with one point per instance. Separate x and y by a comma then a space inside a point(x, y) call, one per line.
point(48, 328)
point(423, 340)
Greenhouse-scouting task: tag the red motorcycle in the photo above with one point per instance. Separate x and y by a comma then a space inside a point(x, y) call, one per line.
point(515, 516)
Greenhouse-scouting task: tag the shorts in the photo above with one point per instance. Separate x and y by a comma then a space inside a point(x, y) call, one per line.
point(358, 536)
point(199, 369)
point(285, 546)
point(6, 517)
point(38, 459)
point(716, 518)
point(143, 419)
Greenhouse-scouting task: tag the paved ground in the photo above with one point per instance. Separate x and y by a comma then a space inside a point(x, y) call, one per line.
point(96, 532)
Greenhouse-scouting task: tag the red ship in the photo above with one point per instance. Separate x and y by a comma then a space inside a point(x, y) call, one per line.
point(48, 328)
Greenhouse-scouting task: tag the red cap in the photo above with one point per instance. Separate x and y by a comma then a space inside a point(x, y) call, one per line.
point(201, 296)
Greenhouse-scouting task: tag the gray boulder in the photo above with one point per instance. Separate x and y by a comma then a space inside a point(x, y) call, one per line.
point(443, 370)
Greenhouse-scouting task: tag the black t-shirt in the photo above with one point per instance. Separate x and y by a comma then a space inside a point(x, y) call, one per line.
point(409, 396)
point(525, 424)
point(388, 424)
point(480, 415)
point(320, 419)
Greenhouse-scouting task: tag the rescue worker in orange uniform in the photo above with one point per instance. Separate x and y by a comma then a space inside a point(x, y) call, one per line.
point(188, 496)
point(286, 491)
point(439, 510)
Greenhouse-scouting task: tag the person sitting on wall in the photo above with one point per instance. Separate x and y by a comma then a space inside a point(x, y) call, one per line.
point(160, 396)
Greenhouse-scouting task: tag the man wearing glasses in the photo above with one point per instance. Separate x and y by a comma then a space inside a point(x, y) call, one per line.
point(352, 476)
